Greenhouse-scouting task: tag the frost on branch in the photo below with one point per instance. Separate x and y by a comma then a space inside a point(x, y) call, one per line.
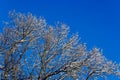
point(32, 49)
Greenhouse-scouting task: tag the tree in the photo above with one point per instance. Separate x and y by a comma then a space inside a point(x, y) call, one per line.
point(32, 49)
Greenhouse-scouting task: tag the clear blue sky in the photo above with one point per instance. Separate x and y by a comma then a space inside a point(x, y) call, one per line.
point(97, 21)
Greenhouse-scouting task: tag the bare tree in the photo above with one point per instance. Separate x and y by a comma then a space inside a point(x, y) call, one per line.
point(32, 49)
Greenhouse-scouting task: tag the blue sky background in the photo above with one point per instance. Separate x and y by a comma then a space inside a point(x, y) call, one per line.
point(96, 21)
